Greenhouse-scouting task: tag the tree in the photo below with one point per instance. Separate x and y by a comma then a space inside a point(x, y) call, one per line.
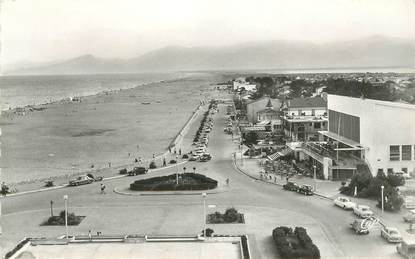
point(251, 138)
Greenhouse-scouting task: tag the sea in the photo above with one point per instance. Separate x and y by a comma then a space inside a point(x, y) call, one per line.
point(20, 91)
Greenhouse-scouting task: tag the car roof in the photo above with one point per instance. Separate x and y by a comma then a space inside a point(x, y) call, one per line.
point(392, 228)
point(363, 206)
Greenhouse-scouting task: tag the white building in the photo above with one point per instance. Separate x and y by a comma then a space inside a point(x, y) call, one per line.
point(241, 83)
point(382, 133)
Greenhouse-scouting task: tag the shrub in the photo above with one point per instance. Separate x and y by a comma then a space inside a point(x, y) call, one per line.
point(185, 156)
point(123, 171)
point(172, 161)
point(287, 247)
point(152, 165)
point(209, 232)
point(231, 215)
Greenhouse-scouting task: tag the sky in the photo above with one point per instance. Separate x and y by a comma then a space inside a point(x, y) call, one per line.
point(48, 30)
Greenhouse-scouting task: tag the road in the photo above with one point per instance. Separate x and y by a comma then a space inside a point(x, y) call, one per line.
point(265, 207)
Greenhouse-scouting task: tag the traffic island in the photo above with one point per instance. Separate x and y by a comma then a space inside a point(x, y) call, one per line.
point(175, 182)
point(231, 216)
point(73, 220)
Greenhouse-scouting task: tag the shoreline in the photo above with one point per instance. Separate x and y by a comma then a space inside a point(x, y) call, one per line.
point(77, 98)
point(175, 140)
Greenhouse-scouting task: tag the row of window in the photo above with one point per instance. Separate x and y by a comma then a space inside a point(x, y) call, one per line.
point(398, 153)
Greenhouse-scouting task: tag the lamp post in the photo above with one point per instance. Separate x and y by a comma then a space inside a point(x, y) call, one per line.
point(194, 170)
point(51, 208)
point(381, 191)
point(204, 213)
point(65, 198)
point(177, 170)
point(315, 181)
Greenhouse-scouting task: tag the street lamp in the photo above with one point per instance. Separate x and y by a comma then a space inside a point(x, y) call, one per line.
point(315, 183)
point(65, 198)
point(381, 191)
point(177, 170)
point(194, 170)
point(204, 213)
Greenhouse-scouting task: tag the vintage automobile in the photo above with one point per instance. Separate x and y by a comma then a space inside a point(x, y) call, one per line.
point(391, 234)
point(406, 250)
point(80, 180)
point(306, 189)
point(410, 218)
point(137, 171)
point(362, 211)
point(290, 186)
point(205, 157)
point(344, 203)
point(358, 227)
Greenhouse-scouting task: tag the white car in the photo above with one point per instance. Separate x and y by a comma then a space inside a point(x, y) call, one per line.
point(362, 211)
point(392, 235)
point(344, 203)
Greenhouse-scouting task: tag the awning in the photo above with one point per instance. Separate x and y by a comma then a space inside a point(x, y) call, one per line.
point(351, 143)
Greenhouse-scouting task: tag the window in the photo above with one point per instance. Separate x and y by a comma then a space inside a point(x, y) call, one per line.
point(394, 154)
point(380, 171)
point(406, 152)
point(405, 170)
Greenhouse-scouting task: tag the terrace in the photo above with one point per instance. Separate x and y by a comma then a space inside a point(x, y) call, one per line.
point(305, 118)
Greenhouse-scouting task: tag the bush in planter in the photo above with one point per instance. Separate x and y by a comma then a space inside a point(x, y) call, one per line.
point(231, 215)
point(152, 165)
point(172, 161)
point(209, 232)
point(123, 171)
point(185, 156)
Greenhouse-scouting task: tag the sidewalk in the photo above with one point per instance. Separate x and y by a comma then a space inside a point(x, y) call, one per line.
point(252, 168)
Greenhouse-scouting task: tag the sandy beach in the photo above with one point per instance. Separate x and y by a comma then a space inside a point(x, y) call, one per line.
point(107, 129)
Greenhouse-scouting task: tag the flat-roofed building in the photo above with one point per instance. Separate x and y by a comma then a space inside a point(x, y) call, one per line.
point(380, 133)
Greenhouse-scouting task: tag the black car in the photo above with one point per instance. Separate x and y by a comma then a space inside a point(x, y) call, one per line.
point(137, 171)
point(306, 189)
point(290, 186)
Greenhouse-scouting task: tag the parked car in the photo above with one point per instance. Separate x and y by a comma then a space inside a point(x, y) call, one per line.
point(344, 203)
point(205, 157)
point(80, 180)
point(96, 179)
point(362, 211)
point(306, 189)
point(391, 234)
point(357, 226)
point(290, 186)
point(406, 250)
point(193, 157)
point(410, 218)
point(138, 170)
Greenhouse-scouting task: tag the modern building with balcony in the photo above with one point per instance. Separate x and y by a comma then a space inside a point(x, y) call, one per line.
point(304, 118)
point(364, 135)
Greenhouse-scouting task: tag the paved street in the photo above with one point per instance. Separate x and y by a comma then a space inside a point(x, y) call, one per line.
point(265, 207)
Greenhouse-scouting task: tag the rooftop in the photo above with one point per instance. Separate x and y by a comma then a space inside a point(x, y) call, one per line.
point(308, 102)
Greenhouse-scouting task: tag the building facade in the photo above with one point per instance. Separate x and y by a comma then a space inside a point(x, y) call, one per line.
point(304, 118)
point(381, 133)
point(260, 106)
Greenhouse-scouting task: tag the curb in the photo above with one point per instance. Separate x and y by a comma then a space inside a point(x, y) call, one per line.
point(235, 164)
point(104, 179)
point(167, 193)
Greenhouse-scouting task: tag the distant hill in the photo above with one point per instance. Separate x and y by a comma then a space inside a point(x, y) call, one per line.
point(373, 51)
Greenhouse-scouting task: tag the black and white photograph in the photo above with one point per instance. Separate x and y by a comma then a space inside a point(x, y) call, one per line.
point(192, 129)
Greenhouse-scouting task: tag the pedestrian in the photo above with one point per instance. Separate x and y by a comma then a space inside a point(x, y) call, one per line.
point(154, 156)
point(129, 154)
point(180, 151)
point(164, 161)
point(102, 188)
point(136, 160)
point(175, 151)
point(227, 181)
point(90, 236)
point(109, 164)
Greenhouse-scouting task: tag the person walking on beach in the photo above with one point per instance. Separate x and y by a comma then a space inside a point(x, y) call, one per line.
point(102, 188)
point(90, 236)
point(164, 161)
point(227, 181)
point(180, 151)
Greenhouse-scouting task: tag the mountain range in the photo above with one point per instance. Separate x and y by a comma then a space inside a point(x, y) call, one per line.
point(375, 51)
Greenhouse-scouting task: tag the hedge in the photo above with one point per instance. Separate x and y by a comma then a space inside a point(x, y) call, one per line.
point(188, 181)
point(297, 244)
